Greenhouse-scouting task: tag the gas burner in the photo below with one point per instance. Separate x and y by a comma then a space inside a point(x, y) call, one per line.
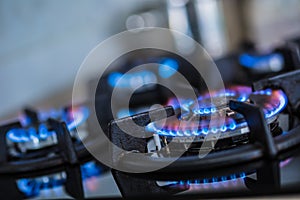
point(36, 133)
point(200, 118)
point(31, 187)
point(219, 180)
point(267, 63)
point(250, 140)
point(205, 181)
point(42, 151)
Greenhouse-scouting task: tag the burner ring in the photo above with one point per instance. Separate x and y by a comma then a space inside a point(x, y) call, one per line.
point(271, 101)
point(228, 158)
point(37, 136)
point(32, 186)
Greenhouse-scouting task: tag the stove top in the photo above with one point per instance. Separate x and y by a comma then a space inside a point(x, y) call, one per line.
point(240, 141)
point(248, 151)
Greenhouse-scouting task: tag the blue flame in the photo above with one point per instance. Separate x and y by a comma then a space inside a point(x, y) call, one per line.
point(267, 92)
point(206, 111)
point(28, 187)
point(232, 125)
point(274, 61)
point(202, 131)
point(131, 80)
point(231, 177)
point(168, 68)
point(282, 103)
point(43, 131)
point(20, 135)
point(32, 187)
point(113, 78)
point(212, 109)
point(79, 118)
point(90, 169)
point(228, 126)
point(196, 132)
point(124, 113)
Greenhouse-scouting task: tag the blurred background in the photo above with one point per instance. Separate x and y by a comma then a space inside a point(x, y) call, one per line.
point(43, 43)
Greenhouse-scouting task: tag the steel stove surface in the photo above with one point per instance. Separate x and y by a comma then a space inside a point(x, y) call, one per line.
point(104, 186)
point(249, 152)
point(42, 155)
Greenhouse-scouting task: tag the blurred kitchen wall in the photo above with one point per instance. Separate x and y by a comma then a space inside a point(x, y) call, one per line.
point(226, 24)
point(43, 44)
point(269, 22)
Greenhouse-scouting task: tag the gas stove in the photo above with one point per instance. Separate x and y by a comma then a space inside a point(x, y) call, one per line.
point(42, 153)
point(240, 141)
point(251, 151)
